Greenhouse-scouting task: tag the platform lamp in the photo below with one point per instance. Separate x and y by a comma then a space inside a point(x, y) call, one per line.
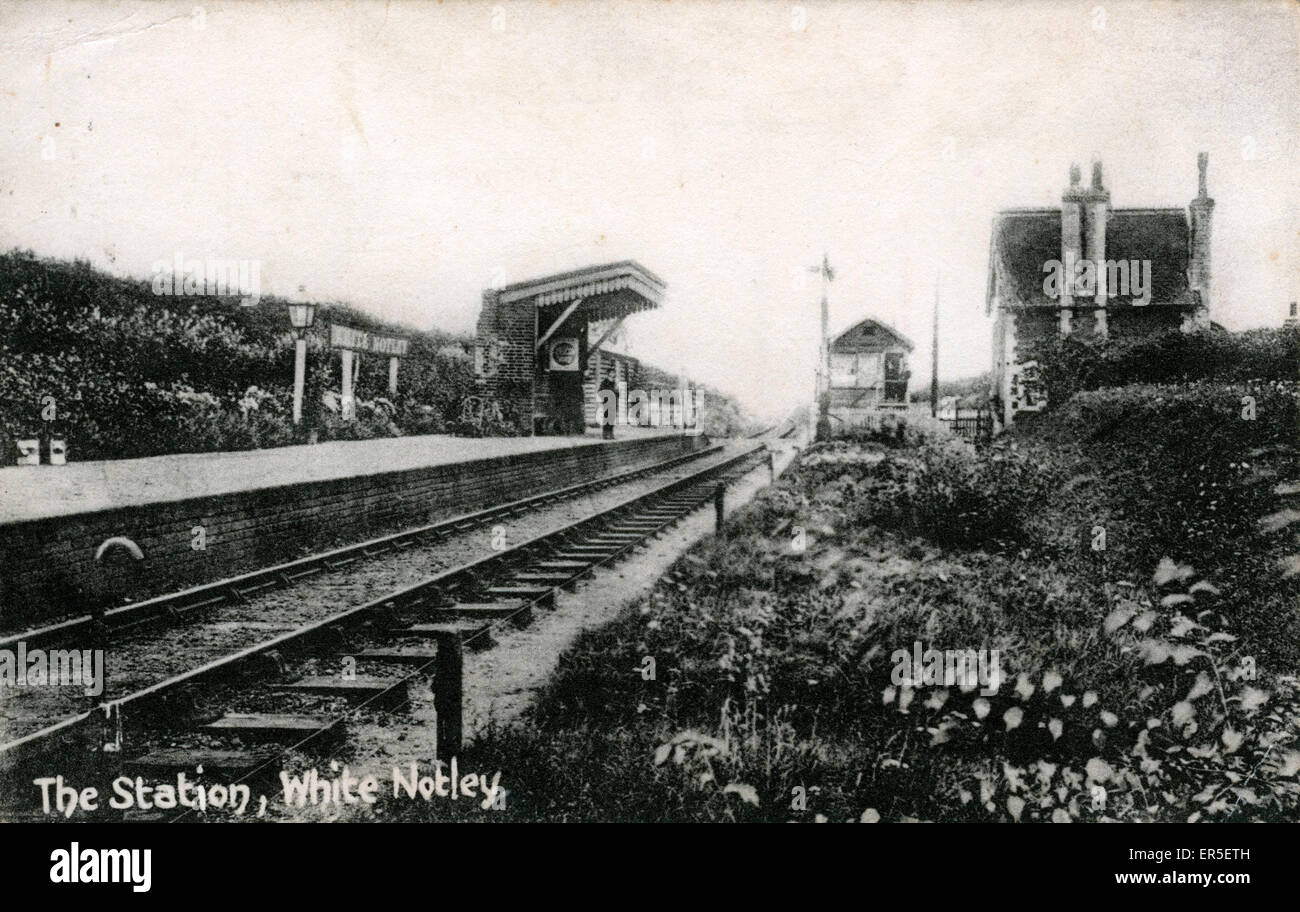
point(301, 317)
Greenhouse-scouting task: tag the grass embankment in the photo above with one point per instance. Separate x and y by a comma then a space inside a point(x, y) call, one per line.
point(1146, 674)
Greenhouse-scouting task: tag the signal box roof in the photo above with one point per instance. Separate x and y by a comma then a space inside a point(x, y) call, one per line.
point(869, 335)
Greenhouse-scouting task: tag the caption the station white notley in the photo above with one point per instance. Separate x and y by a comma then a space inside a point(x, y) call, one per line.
point(442, 780)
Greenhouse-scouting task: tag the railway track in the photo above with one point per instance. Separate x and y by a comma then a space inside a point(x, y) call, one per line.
point(175, 607)
point(771, 430)
point(299, 687)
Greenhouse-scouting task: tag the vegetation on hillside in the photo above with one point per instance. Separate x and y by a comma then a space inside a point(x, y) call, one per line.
point(119, 371)
point(125, 372)
point(1075, 363)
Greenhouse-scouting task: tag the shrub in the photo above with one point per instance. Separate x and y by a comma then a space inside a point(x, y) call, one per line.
point(961, 499)
point(944, 490)
point(1169, 470)
point(134, 374)
point(1076, 363)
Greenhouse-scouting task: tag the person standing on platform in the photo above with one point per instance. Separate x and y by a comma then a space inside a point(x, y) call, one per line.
point(608, 408)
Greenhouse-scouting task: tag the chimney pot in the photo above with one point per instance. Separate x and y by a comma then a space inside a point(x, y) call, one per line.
point(1202, 162)
point(1096, 175)
point(1074, 174)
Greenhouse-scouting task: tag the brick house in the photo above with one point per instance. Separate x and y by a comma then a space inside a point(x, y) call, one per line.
point(1090, 268)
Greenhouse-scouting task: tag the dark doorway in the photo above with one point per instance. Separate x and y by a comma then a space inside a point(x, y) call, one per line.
point(895, 379)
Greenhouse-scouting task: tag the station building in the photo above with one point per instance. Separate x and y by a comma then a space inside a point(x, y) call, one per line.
point(538, 351)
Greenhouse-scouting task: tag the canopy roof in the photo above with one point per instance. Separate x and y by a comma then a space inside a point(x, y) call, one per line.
point(606, 291)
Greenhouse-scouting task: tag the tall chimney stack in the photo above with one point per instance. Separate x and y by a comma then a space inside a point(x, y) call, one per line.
point(1098, 205)
point(1071, 242)
point(1201, 211)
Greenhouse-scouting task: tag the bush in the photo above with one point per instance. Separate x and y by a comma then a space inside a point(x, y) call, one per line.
point(960, 499)
point(942, 490)
point(1076, 363)
point(129, 374)
point(1168, 470)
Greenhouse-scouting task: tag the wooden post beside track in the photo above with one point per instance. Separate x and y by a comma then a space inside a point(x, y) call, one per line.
point(719, 507)
point(447, 683)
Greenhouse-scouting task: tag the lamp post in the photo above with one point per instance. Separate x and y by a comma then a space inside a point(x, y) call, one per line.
point(301, 317)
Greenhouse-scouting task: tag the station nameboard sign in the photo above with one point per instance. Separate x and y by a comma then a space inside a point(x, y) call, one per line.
point(359, 340)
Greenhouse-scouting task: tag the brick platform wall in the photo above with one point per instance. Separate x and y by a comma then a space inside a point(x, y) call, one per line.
point(47, 567)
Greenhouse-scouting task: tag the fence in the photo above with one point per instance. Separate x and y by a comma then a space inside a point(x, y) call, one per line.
point(975, 425)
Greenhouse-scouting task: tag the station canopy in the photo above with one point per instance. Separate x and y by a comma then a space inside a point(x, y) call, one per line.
point(596, 293)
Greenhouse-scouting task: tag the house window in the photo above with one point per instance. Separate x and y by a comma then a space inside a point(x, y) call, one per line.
point(844, 370)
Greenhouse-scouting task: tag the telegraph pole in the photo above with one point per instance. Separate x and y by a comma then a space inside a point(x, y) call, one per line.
point(934, 354)
point(823, 431)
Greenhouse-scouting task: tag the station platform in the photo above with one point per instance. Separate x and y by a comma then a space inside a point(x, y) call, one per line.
point(195, 518)
point(43, 492)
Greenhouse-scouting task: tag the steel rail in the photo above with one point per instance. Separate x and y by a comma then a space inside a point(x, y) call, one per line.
point(174, 605)
point(734, 466)
point(447, 581)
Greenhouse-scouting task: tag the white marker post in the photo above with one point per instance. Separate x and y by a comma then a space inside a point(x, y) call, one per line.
point(345, 406)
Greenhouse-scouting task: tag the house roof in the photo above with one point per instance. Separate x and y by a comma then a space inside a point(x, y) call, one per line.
point(1023, 240)
point(607, 290)
point(869, 333)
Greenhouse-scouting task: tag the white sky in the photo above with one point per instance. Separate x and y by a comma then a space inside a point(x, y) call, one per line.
point(403, 156)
